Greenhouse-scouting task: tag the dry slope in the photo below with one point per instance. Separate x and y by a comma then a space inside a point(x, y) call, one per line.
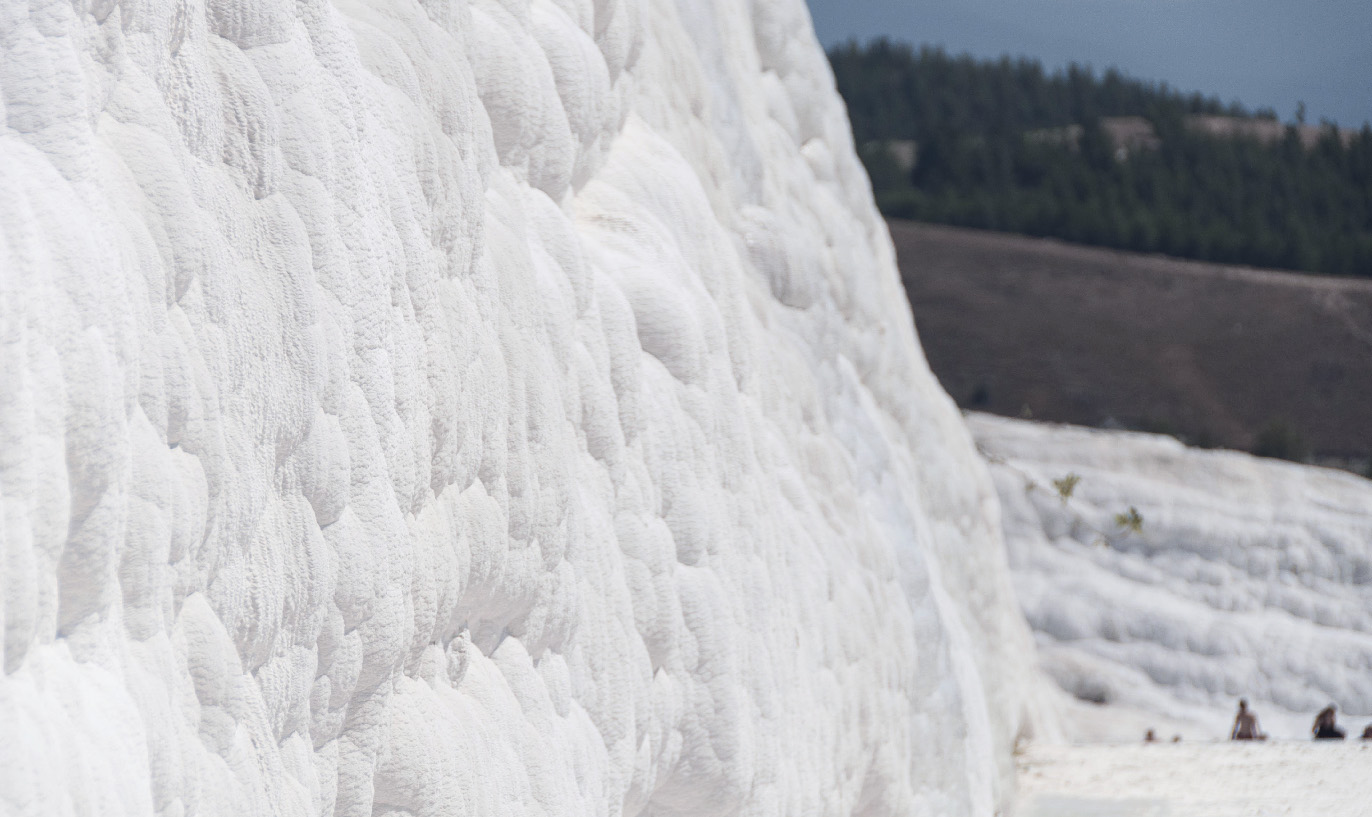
point(1082, 335)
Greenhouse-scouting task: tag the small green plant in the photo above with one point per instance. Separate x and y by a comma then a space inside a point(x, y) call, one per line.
point(1065, 486)
point(1130, 520)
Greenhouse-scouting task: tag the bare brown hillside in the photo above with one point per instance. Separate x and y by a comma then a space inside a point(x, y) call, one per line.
point(1211, 353)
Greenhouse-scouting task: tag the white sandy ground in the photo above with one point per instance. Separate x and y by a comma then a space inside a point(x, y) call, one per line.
point(1196, 779)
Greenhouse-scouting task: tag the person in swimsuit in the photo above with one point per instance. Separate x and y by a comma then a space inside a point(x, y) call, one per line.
point(1325, 728)
point(1246, 724)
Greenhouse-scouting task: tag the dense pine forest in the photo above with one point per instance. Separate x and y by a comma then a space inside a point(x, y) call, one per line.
point(1105, 159)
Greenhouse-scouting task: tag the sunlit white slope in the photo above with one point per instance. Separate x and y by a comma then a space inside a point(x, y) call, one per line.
point(1249, 577)
point(472, 408)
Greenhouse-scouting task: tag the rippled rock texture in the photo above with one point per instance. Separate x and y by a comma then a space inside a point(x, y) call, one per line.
point(490, 408)
point(1246, 577)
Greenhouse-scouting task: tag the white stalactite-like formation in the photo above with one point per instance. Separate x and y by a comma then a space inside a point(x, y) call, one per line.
point(504, 407)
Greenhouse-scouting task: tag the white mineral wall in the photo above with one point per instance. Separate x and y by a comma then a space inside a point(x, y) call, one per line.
point(487, 408)
point(1249, 577)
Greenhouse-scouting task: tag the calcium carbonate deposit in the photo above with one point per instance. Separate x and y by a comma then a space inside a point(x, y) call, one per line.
point(1246, 577)
point(504, 407)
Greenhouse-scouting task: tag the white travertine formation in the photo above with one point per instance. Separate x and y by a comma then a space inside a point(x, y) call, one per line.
point(504, 407)
point(1248, 577)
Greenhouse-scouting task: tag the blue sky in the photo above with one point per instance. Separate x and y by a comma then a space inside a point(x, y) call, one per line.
point(1261, 52)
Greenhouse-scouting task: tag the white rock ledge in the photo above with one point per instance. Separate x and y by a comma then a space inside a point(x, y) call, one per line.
point(487, 408)
point(1249, 578)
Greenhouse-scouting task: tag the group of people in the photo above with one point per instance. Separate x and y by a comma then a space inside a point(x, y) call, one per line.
point(1325, 728)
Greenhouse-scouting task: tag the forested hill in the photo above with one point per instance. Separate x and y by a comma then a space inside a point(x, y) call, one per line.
point(1105, 159)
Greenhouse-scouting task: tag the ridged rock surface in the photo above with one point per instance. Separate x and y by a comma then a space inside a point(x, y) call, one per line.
point(1247, 577)
point(488, 408)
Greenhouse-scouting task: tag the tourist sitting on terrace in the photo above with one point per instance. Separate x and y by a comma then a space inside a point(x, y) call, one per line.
point(1325, 728)
point(1245, 724)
